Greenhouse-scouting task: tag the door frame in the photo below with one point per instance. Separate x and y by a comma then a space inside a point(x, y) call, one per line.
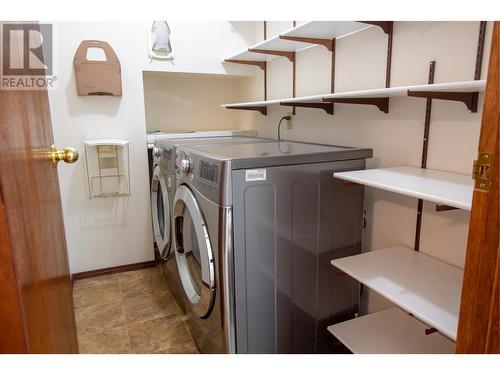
point(478, 330)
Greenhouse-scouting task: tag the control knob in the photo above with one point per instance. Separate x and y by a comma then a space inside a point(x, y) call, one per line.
point(156, 152)
point(185, 166)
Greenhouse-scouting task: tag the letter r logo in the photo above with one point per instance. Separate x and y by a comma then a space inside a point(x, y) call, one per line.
point(35, 58)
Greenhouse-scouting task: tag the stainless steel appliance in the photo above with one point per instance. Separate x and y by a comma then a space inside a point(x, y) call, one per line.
point(162, 193)
point(152, 137)
point(255, 228)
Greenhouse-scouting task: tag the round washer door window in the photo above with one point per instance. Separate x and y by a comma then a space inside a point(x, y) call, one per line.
point(194, 255)
point(160, 212)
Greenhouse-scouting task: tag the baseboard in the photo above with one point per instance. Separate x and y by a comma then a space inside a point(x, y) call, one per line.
point(110, 270)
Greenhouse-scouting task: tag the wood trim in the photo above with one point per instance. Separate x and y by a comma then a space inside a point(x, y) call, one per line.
point(11, 312)
point(478, 320)
point(492, 345)
point(111, 270)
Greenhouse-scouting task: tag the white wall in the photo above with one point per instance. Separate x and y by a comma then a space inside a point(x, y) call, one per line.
point(202, 46)
point(396, 138)
point(115, 231)
point(187, 101)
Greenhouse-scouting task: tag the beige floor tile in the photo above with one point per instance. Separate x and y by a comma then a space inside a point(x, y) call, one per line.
point(142, 282)
point(149, 306)
point(187, 348)
point(96, 318)
point(97, 295)
point(158, 334)
point(95, 281)
point(141, 273)
point(111, 340)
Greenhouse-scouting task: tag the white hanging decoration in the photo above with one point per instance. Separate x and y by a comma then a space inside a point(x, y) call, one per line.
point(160, 41)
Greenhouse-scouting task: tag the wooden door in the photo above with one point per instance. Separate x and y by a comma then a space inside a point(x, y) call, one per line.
point(36, 309)
point(478, 323)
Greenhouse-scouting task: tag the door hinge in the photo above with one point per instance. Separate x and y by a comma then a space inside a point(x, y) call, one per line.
point(482, 170)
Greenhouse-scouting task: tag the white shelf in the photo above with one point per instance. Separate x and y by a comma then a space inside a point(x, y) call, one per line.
point(463, 86)
point(251, 56)
point(447, 188)
point(326, 29)
point(424, 286)
point(106, 142)
point(390, 331)
point(263, 103)
point(272, 44)
point(314, 29)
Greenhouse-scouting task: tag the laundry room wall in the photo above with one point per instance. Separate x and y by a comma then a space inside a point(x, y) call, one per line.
point(396, 138)
point(109, 232)
point(191, 101)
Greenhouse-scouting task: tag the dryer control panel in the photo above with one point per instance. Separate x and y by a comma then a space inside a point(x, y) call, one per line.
point(208, 171)
point(201, 173)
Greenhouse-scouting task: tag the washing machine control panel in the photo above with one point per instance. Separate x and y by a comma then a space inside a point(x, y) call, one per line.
point(204, 174)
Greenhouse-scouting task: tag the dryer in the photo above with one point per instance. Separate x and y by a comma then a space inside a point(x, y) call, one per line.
point(255, 228)
point(163, 187)
point(152, 137)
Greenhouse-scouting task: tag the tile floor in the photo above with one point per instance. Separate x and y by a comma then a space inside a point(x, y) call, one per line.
point(129, 312)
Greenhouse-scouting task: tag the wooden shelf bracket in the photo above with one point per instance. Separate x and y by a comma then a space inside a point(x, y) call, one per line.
point(444, 207)
point(468, 98)
point(262, 110)
point(386, 26)
point(327, 107)
point(381, 103)
point(260, 64)
point(327, 43)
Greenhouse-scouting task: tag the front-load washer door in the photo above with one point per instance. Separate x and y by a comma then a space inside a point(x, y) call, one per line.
point(160, 212)
point(194, 255)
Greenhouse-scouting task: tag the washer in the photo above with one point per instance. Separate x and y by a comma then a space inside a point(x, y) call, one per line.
point(255, 228)
point(162, 192)
point(163, 187)
point(152, 137)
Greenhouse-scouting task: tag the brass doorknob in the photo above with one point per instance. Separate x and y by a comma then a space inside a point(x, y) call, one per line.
point(68, 155)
